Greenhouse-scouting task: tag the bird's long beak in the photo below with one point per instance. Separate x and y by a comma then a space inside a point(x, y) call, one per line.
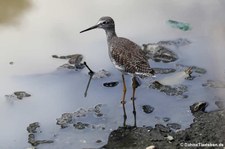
point(90, 28)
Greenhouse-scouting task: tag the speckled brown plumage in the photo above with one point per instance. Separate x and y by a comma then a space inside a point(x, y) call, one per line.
point(129, 57)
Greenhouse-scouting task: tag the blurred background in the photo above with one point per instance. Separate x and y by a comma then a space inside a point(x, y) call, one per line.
point(31, 31)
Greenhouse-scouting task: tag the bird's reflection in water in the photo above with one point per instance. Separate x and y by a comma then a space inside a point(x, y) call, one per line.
point(135, 84)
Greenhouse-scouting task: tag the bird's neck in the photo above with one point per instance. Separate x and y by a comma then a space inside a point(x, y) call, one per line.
point(110, 33)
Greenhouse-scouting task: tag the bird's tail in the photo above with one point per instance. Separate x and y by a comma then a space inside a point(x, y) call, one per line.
point(147, 74)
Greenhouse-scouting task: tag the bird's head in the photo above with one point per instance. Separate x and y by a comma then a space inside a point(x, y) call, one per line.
point(105, 23)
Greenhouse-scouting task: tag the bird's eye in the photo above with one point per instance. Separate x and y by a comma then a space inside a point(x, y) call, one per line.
point(105, 22)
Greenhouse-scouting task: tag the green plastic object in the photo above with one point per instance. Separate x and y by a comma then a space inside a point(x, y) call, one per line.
point(179, 25)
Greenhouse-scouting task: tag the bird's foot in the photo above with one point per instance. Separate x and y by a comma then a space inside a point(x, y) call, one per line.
point(133, 98)
point(123, 102)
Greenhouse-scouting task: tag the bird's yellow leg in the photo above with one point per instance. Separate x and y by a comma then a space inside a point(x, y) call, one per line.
point(123, 101)
point(134, 86)
point(124, 90)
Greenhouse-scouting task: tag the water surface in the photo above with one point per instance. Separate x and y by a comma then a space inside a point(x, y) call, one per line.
point(35, 30)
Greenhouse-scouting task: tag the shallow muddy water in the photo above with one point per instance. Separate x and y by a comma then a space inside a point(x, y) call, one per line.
point(36, 30)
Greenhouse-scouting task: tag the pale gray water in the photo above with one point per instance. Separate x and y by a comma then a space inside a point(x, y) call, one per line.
point(43, 28)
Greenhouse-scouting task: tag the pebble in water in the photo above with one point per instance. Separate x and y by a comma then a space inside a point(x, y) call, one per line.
point(198, 106)
point(147, 109)
point(159, 53)
point(110, 84)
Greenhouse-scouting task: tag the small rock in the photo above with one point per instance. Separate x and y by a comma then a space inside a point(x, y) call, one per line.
point(80, 125)
point(168, 90)
point(149, 128)
point(220, 104)
point(37, 142)
point(110, 84)
point(159, 53)
point(63, 57)
point(65, 119)
point(21, 94)
point(214, 84)
point(55, 56)
point(166, 119)
point(73, 63)
point(192, 69)
point(177, 42)
point(162, 128)
point(199, 70)
point(101, 74)
point(79, 66)
point(76, 59)
point(93, 118)
point(147, 109)
point(44, 141)
point(67, 56)
point(67, 66)
point(31, 137)
point(99, 141)
point(174, 126)
point(170, 138)
point(32, 127)
point(31, 147)
point(198, 106)
point(97, 110)
point(80, 113)
point(164, 70)
point(185, 96)
point(151, 147)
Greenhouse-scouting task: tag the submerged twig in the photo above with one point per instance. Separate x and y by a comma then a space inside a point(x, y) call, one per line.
point(91, 73)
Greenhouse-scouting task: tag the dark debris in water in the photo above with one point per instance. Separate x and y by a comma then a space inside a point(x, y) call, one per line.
point(32, 130)
point(147, 109)
point(68, 56)
point(101, 74)
point(110, 84)
point(81, 119)
point(177, 42)
point(74, 62)
point(174, 126)
point(168, 90)
point(17, 95)
point(11, 63)
point(198, 106)
point(21, 94)
point(80, 125)
point(194, 69)
point(164, 70)
point(214, 84)
point(159, 53)
point(166, 119)
point(162, 128)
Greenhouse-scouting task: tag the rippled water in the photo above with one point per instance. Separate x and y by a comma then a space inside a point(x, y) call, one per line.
point(32, 31)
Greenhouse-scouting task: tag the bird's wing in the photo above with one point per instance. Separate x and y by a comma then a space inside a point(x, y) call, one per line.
point(130, 56)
